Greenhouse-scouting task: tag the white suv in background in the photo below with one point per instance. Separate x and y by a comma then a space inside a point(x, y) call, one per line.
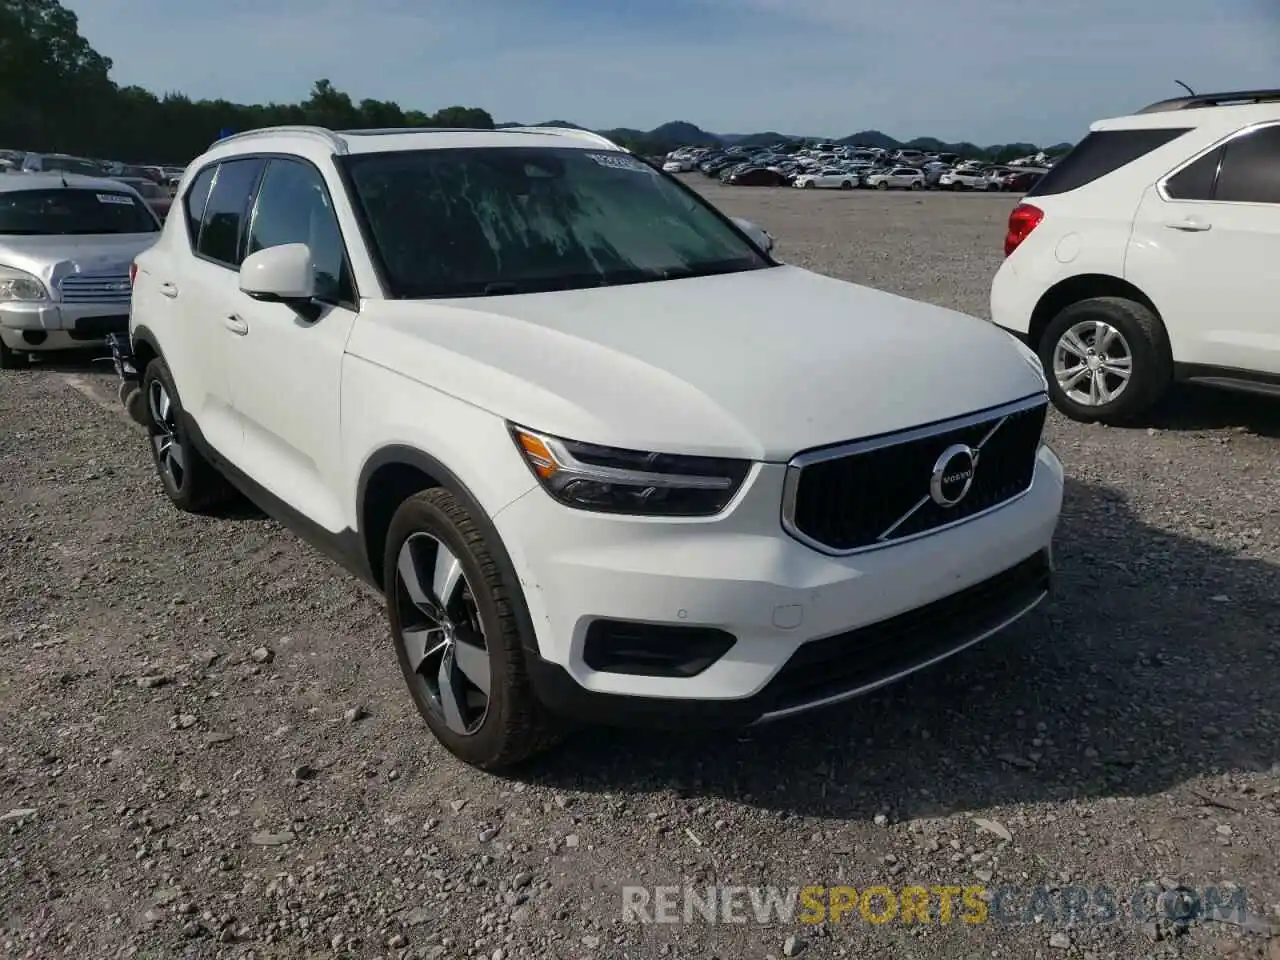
point(604, 457)
point(903, 178)
point(1147, 254)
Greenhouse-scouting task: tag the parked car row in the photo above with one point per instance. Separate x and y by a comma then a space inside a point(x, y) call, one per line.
point(848, 168)
point(23, 161)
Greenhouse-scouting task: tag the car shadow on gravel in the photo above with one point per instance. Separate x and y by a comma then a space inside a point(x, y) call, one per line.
point(82, 360)
point(1190, 407)
point(1155, 663)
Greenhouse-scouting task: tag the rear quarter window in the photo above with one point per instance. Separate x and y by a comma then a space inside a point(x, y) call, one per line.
point(1100, 153)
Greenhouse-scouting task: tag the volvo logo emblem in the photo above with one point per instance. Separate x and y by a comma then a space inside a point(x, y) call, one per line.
point(953, 475)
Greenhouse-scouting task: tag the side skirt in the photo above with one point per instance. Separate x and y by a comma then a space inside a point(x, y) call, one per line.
point(344, 548)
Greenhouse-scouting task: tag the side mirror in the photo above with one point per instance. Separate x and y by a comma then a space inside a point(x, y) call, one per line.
point(759, 236)
point(280, 274)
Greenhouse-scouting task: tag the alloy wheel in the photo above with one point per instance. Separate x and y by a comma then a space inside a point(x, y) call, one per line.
point(169, 451)
point(1092, 363)
point(441, 634)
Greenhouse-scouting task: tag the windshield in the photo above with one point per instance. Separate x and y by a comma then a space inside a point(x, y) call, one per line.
point(485, 221)
point(72, 212)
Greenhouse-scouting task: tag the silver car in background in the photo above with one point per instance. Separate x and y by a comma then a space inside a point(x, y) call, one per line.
point(66, 245)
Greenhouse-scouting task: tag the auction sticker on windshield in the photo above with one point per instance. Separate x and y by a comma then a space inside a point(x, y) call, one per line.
point(119, 198)
point(618, 161)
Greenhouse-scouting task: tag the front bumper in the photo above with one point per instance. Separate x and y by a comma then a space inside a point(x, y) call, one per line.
point(60, 326)
point(809, 629)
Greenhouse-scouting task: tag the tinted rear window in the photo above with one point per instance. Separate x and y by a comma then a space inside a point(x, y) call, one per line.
point(1196, 181)
point(73, 212)
point(1100, 153)
point(1251, 168)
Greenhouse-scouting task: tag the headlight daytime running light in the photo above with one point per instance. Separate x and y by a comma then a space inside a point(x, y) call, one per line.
point(611, 480)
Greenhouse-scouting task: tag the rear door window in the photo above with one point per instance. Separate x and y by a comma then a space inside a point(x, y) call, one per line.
point(226, 209)
point(197, 197)
point(1100, 153)
point(1251, 168)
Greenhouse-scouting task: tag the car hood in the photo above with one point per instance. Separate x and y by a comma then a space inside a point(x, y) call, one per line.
point(761, 364)
point(53, 258)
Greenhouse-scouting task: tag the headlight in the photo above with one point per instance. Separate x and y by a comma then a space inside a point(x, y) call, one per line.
point(609, 480)
point(16, 285)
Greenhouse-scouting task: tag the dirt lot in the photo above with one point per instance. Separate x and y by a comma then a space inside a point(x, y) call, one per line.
point(181, 776)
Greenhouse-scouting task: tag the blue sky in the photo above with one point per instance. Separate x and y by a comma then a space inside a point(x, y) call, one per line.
point(983, 70)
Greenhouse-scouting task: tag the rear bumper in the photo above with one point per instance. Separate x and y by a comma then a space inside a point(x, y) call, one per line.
point(1013, 300)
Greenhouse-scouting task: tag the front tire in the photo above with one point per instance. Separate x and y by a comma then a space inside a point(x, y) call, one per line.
point(456, 627)
point(882, 185)
point(1107, 360)
point(189, 480)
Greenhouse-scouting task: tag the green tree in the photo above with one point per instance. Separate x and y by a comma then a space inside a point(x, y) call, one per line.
point(45, 64)
point(56, 94)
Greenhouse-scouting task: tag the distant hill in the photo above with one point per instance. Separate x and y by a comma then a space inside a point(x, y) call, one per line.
point(681, 133)
point(752, 139)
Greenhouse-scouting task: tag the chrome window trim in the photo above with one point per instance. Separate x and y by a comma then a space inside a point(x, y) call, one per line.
point(797, 464)
point(1162, 183)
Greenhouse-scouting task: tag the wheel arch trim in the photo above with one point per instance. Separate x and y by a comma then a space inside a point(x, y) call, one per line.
point(403, 455)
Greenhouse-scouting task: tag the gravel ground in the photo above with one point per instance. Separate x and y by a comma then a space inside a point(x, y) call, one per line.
point(206, 751)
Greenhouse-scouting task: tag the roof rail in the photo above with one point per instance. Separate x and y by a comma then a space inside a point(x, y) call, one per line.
point(386, 131)
point(330, 138)
point(576, 132)
point(1213, 100)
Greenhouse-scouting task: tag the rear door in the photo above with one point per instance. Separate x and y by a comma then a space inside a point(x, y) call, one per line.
point(1205, 243)
point(204, 290)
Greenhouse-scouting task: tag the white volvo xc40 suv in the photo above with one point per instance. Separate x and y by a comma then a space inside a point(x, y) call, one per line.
point(605, 457)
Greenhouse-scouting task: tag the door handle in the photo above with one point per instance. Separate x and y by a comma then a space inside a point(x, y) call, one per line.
point(1189, 225)
point(168, 290)
point(235, 324)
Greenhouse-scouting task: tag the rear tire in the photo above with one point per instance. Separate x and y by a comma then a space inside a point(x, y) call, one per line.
point(846, 185)
point(190, 482)
point(490, 729)
point(1114, 334)
point(11, 359)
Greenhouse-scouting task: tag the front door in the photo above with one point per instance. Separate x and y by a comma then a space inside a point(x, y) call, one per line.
point(286, 364)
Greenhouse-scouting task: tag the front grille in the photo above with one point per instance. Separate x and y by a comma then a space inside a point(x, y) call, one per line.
point(95, 288)
point(879, 491)
point(868, 656)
